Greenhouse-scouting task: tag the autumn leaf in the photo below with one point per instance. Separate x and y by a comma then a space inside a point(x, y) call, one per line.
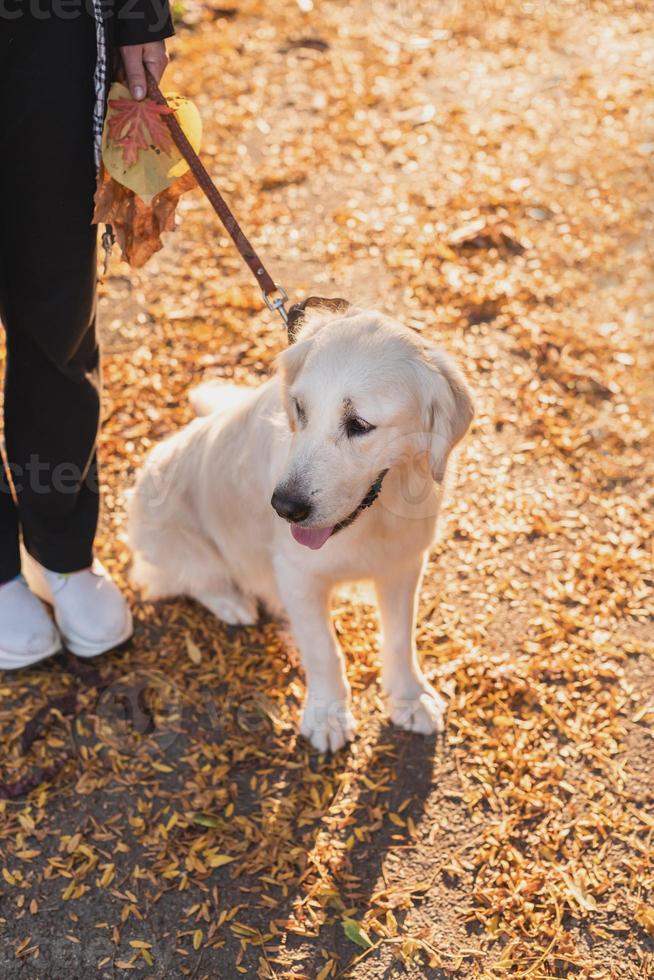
point(136, 126)
point(645, 918)
point(138, 226)
point(193, 650)
point(137, 149)
point(206, 819)
point(218, 860)
point(577, 887)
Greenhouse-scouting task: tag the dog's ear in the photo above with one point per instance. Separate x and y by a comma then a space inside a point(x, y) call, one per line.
point(289, 364)
point(448, 407)
point(290, 361)
point(309, 318)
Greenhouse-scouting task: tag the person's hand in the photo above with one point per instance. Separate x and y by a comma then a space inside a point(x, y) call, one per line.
point(136, 58)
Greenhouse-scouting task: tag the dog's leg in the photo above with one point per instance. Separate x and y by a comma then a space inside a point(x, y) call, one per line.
point(326, 718)
point(412, 702)
point(187, 565)
point(228, 605)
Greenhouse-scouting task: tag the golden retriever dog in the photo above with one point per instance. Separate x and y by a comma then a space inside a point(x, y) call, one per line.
point(329, 473)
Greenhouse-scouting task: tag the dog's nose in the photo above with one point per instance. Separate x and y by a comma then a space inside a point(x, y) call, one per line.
point(292, 509)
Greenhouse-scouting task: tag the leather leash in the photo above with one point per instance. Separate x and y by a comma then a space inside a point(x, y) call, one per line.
point(274, 296)
point(248, 254)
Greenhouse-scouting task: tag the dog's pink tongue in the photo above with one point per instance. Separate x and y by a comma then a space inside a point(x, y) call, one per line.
point(311, 537)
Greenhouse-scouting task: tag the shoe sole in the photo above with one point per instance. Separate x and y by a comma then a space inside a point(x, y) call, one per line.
point(87, 651)
point(8, 661)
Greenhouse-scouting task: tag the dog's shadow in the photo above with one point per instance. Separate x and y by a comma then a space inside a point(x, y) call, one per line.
point(356, 845)
point(339, 826)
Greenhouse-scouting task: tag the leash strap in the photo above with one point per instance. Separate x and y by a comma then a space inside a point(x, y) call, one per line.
point(265, 281)
point(274, 296)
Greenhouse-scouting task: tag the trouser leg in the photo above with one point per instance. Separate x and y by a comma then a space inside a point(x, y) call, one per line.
point(9, 552)
point(48, 251)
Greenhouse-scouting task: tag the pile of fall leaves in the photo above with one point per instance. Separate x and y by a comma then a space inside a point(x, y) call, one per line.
point(482, 170)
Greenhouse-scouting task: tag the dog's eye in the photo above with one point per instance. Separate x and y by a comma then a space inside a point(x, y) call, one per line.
point(357, 427)
point(299, 412)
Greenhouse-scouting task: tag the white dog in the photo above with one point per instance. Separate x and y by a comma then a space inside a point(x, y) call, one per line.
point(328, 473)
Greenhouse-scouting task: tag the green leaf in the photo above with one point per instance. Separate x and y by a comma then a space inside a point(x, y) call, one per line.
point(356, 933)
point(206, 819)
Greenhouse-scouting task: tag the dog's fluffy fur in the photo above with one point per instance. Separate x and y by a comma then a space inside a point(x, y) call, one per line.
point(201, 521)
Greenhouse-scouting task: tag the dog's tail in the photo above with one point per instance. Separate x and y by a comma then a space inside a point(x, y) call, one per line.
point(216, 396)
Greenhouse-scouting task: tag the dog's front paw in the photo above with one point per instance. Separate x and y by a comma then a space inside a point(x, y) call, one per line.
point(423, 712)
point(328, 725)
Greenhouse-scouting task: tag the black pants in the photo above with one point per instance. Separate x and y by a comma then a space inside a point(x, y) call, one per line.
point(47, 291)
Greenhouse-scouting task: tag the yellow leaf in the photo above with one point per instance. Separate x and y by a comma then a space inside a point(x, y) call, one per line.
point(577, 888)
point(391, 923)
point(107, 875)
point(645, 918)
point(154, 169)
point(69, 891)
point(197, 938)
point(217, 860)
point(193, 650)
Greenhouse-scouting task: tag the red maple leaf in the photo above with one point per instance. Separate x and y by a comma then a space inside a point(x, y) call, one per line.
point(136, 126)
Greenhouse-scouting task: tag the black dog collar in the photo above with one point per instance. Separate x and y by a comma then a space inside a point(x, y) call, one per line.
point(367, 501)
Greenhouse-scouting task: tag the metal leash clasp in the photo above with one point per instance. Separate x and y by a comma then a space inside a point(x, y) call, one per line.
point(278, 304)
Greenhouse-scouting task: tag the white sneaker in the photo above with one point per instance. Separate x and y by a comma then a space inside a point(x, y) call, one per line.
point(90, 610)
point(27, 634)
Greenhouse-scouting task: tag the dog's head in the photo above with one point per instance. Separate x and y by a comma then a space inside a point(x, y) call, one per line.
point(363, 394)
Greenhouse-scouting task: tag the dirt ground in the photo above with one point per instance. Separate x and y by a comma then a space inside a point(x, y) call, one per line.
point(483, 171)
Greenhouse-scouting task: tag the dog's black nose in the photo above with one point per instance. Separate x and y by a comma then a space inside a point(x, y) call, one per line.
point(292, 509)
